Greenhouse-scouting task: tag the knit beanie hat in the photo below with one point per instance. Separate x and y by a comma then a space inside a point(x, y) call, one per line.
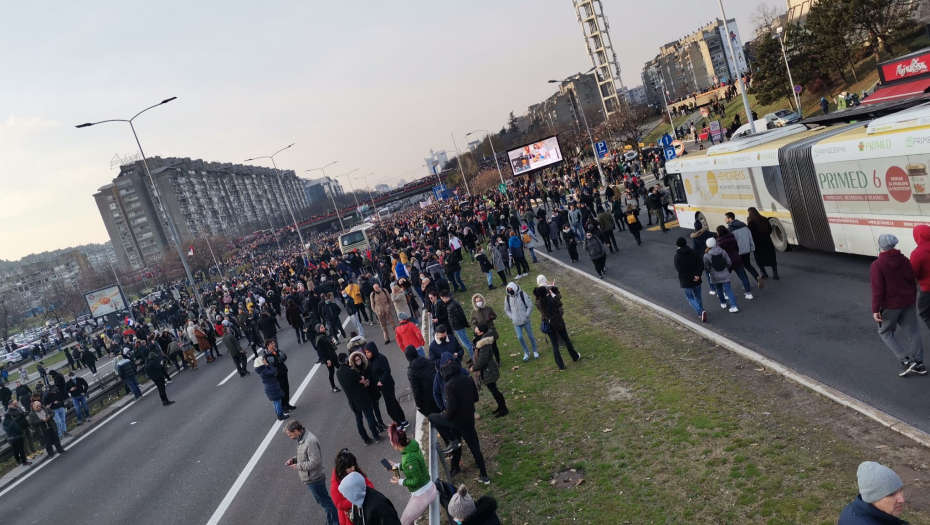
point(681, 242)
point(541, 280)
point(711, 242)
point(887, 241)
point(403, 316)
point(876, 481)
point(461, 505)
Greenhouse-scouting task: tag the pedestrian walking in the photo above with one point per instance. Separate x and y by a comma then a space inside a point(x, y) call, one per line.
point(746, 244)
point(383, 307)
point(761, 230)
point(155, 370)
point(728, 243)
point(571, 242)
point(632, 221)
point(234, 349)
point(518, 307)
point(595, 250)
point(894, 304)
point(690, 266)
point(309, 466)
point(717, 265)
point(326, 349)
point(413, 474)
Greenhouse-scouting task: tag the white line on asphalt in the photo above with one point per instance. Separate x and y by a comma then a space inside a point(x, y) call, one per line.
point(829, 392)
point(250, 466)
point(346, 322)
point(234, 372)
point(71, 445)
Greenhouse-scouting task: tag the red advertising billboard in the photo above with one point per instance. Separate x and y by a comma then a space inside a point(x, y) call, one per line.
point(905, 68)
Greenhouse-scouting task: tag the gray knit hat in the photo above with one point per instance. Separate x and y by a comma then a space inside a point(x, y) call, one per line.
point(887, 241)
point(876, 481)
point(461, 505)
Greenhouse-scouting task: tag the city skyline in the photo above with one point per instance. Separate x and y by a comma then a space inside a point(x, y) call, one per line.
point(251, 79)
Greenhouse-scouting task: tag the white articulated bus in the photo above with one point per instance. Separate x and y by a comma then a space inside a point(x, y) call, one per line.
point(831, 188)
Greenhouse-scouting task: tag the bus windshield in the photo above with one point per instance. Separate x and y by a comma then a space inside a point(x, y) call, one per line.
point(352, 238)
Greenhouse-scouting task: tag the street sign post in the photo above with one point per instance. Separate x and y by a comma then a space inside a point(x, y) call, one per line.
point(715, 130)
point(601, 148)
point(502, 188)
point(798, 89)
point(666, 140)
point(670, 152)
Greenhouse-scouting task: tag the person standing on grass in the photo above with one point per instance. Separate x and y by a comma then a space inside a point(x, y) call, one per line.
point(77, 388)
point(460, 394)
point(486, 370)
point(690, 266)
point(595, 249)
point(483, 313)
point(717, 265)
point(309, 466)
point(549, 302)
point(485, 264)
point(880, 500)
point(415, 473)
point(518, 306)
point(894, 304)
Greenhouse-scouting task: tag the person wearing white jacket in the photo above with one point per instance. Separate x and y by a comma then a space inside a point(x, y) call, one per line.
point(518, 306)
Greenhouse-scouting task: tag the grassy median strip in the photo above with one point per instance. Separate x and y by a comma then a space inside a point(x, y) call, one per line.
point(657, 425)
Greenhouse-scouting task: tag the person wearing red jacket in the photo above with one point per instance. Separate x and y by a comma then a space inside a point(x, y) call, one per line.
point(345, 463)
point(408, 333)
point(894, 304)
point(920, 262)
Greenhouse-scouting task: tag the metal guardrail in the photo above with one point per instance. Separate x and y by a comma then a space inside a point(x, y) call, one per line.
point(434, 515)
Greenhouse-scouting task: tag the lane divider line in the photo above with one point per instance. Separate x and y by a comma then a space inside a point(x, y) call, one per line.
point(253, 461)
point(831, 393)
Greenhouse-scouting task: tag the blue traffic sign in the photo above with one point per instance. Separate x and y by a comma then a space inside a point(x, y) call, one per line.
point(601, 148)
point(669, 152)
point(666, 140)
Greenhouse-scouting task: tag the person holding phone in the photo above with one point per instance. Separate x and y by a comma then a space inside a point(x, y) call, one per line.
point(309, 466)
point(415, 475)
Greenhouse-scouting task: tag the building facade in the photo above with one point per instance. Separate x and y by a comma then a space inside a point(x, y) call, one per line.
point(203, 198)
point(596, 30)
point(324, 189)
point(560, 108)
point(697, 62)
point(436, 160)
point(31, 280)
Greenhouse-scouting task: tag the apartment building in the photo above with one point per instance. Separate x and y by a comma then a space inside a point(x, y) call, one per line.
point(203, 198)
point(31, 280)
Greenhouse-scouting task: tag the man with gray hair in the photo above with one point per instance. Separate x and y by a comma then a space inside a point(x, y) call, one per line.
point(309, 466)
point(880, 499)
point(894, 299)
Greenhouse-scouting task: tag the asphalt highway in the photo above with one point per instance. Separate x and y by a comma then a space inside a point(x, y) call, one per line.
point(150, 464)
point(817, 319)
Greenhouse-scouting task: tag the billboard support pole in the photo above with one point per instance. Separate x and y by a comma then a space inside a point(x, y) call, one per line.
point(494, 153)
point(739, 74)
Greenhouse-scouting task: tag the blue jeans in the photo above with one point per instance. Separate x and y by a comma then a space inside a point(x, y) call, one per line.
point(579, 232)
point(532, 227)
point(457, 283)
point(372, 423)
point(60, 422)
point(318, 489)
point(528, 328)
point(133, 385)
point(278, 408)
point(462, 336)
point(491, 278)
point(533, 253)
point(694, 297)
point(741, 273)
point(725, 287)
point(80, 403)
point(421, 351)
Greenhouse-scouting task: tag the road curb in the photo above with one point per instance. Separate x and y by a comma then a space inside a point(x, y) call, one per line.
point(831, 393)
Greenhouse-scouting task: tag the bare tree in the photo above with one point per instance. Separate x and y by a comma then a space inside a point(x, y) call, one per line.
point(764, 17)
point(12, 309)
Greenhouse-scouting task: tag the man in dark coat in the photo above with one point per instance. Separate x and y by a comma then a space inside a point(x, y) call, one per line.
point(690, 264)
point(276, 359)
point(267, 327)
point(382, 378)
point(326, 351)
point(154, 368)
point(353, 385)
point(461, 394)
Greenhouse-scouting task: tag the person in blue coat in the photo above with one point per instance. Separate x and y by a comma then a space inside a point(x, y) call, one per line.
point(272, 388)
point(518, 255)
point(880, 500)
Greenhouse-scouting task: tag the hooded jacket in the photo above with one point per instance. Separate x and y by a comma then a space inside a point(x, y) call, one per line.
point(439, 381)
point(420, 375)
point(920, 257)
point(484, 315)
point(356, 393)
point(518, 306)
point(461, 394)
point(892, 281)
point(484, 362)
point(729, 244)
point(743, 237)
point(371, 506)
point(516, 246)
point(594, 247)
point(380, 367)
point(270, 382)
point(485, 512)
point(408, 333)
point(689, 265)
point(339, 500)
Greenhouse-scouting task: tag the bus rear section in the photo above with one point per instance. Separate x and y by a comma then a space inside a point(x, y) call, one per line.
point(355, 239)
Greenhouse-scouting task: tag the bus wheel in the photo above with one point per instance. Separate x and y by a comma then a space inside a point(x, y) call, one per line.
point(779, 238)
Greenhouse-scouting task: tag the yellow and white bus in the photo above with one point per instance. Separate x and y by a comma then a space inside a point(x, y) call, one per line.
point(355, 239)
point(827, 188)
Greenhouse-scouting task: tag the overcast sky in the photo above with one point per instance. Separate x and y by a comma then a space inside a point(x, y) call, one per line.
point(373, 85)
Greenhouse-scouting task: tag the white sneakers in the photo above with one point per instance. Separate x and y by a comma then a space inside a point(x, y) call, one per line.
point(713, 292)
point(723, 305)
point(734, 310)
point(748, 295)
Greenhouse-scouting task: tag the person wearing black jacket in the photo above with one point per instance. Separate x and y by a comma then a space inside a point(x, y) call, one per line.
point(461, 394)
point(276, 359)
point(267, 327)
point(457, 321)
point(329, 314)
point(292, 314)
point(689, 264)
point(156, 371)
point(359, 399)
point(77, 388)
point(327, 353)
point(16, 438)
point(382, 378)
point(59, 381)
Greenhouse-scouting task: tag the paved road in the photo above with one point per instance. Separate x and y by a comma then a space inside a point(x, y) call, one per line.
point(816, 319)
point(151, 463)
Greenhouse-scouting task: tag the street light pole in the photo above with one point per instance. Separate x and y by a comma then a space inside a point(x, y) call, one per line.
point(370, 196)
point(351, 186)
point(571, 94)
point(331, 195)
point(778, 35)
point(164, 209)
point(284, 194)
point(739, 75)
point(458, 156)
point(491, 142)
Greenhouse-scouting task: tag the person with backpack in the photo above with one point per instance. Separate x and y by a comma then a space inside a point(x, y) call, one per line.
point(518, 307)
point(631, 216)
point(529, 241)
point(717, 265)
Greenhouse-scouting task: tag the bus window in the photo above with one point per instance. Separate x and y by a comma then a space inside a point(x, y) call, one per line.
point(352, 238)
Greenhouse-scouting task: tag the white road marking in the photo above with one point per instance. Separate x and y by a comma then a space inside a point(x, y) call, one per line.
point(234, 372)
point(346, 322)
point(250, 466)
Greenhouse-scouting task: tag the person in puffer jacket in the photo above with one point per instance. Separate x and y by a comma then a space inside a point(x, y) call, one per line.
point(518, 306)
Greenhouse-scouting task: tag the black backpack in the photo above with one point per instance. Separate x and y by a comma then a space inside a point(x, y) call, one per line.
point(718, 262)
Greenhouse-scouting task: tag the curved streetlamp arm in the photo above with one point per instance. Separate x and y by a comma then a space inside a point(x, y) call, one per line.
point(167, 100)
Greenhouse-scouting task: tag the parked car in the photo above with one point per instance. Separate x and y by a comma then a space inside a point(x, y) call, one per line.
point(12, 357)
point(783, 117)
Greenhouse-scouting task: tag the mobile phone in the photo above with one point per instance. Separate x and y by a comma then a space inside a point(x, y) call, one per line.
point(387, 464)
